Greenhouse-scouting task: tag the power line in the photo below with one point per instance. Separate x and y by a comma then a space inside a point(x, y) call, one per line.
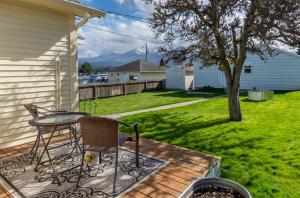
point(124, 35)
point(126, 16)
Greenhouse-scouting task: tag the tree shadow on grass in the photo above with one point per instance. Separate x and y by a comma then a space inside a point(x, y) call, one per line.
point(174, 127)
point(253, 101)
point(170, 127)
point(184, 94)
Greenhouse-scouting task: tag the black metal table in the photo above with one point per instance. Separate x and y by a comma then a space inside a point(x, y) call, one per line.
point(53, 121)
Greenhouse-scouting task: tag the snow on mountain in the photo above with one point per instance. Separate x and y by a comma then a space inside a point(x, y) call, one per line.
point(116, 59)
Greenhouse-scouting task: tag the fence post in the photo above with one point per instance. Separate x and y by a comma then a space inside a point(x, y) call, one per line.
point(145, 86)
point(124, 89)
point(95, 94)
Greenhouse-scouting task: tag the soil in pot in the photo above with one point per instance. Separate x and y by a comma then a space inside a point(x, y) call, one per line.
point(210, 191)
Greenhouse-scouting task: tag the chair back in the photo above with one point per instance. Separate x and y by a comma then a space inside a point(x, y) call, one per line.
point(88, 105)
point(99, 132)
point(33, 109)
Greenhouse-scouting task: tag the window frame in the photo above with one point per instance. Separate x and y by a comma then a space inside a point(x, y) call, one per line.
point(248, 69)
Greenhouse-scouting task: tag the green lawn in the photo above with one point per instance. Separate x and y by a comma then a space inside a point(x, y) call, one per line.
point(144, 100)
point(262, 152)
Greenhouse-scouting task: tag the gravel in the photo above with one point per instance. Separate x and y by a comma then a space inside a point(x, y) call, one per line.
point(216, 192)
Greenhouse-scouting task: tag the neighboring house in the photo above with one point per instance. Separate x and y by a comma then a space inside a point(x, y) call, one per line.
point(281, 72)
point(179, 78)
point(137, 70)
point(38, 61)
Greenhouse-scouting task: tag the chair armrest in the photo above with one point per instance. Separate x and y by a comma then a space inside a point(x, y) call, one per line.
point(133, 127)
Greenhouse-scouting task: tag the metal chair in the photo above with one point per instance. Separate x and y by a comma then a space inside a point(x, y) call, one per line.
point(36, 112)
point(89, 105)
point(100, 134)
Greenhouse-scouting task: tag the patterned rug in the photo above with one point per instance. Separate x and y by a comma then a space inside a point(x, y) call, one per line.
point(23, 181)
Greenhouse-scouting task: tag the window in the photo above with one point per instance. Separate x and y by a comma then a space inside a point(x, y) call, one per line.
point(118, 74)
point(133, 77)
point(247, 69)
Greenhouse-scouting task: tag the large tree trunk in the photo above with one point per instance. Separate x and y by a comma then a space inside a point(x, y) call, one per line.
point(233, 92)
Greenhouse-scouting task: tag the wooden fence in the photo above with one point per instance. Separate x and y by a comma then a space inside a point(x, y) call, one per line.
point(104, 90)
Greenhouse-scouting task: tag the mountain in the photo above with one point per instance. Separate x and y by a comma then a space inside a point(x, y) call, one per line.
point(115, 59)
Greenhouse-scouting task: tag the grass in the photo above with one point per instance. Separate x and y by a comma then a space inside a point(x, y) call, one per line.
point(139, 101)
point(262, 152)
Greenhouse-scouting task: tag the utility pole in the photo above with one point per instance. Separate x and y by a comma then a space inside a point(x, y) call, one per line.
point(146, 52)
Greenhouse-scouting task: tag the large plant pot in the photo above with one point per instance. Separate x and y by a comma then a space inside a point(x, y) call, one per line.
point(260, 95)
point(215, 183)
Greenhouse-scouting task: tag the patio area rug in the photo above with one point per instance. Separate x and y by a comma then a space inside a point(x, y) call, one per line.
point(22, 181)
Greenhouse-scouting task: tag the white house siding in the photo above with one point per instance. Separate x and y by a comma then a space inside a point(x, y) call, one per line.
point(121, 76)
point(281, 72)
point(30, 40)
point(208, 76)
point(124, 76)
point(152, 76)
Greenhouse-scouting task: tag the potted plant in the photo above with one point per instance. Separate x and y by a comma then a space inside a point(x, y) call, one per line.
point(215, 187)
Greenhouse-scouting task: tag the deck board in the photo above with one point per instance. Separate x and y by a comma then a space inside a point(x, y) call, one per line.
point(183, 166)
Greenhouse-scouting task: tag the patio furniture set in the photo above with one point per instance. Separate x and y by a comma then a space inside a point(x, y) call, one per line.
point(86, 133)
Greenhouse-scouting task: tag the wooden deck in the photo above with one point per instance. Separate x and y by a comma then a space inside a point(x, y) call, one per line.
point(182, 168)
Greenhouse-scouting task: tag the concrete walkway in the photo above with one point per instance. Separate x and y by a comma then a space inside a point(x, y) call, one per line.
point(170, 106)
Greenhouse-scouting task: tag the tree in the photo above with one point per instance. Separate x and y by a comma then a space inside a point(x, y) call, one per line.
point(222, 32)
point(162, 62)
point(87, 68)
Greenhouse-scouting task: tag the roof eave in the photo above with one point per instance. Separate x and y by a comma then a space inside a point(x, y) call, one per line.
point(68, 7)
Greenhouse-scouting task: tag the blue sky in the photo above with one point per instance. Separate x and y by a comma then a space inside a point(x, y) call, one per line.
point(98, 42)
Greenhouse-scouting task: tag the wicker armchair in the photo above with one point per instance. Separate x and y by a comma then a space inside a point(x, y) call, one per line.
point(100, 134)
point(36, 112)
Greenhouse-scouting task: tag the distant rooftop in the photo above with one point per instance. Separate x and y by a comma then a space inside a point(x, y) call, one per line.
point(139, 66)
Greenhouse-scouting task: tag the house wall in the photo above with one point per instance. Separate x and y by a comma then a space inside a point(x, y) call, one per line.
point(31, 39)
point(153, 76)
point(281, 72)
point(124, 76)
point(121, 76)
point(276, 73)
point(210, 76)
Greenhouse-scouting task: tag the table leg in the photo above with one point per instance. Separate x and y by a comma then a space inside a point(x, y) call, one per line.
point(76, 141)
point(137, 146)
point(35, 147)
point(48, 155)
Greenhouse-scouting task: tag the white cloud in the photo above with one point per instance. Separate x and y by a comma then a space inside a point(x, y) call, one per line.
point(98, 42)
point(144, 9)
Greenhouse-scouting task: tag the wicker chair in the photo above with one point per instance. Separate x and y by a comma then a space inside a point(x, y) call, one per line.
point(36, 112)
point(100, 134)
